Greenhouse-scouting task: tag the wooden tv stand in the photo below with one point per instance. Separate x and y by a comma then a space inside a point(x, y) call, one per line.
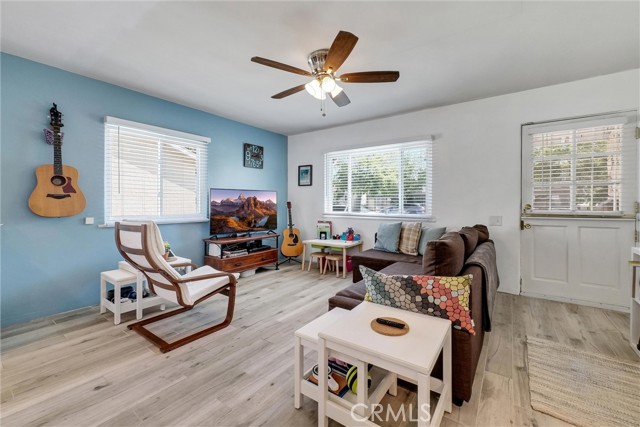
point(237, 264)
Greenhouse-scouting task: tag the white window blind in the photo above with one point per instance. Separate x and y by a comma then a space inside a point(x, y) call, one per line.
point(584, 167)
point(154, 173)
point(388, 180)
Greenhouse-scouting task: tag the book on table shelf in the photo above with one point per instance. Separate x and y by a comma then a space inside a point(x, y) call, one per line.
point(338, 373)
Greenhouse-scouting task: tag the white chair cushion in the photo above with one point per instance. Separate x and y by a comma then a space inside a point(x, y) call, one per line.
point(196, 289)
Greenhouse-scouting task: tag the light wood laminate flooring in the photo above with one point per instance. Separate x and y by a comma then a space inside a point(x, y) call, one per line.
point(78, 369)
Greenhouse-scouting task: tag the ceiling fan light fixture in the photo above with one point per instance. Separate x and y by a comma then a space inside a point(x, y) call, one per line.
point(314, 88)
point(328, 84)
point(336, 90)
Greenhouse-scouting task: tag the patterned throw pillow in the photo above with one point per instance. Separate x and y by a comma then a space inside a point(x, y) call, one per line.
point(409, 237)
point(444, 297)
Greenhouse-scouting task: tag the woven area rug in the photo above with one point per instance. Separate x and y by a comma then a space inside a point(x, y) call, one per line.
point(582, 388)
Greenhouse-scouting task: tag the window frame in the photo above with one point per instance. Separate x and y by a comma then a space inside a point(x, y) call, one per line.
point(164, 136)
point(427, 216)
point(628, 185)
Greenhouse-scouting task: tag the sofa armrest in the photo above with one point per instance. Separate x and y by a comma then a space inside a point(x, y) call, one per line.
point(343, 302)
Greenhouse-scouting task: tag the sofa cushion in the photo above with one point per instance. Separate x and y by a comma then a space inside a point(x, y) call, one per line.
point(428, 234)
point(445, 256)
point(389, 257)
point(388, 236)
point(377, 260)
point(402, 268)
point(483, 233)
point(354, 291)
point(444, 297)
point(409, 237)
point(470, 237)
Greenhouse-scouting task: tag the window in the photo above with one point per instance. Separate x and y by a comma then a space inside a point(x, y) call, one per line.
point(583, 167)
point(387, 180)
point(154, 173)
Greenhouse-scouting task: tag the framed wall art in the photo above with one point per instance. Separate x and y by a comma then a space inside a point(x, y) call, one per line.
point(305, 175)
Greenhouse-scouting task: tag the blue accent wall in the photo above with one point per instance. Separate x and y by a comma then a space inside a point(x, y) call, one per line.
point(52, 265)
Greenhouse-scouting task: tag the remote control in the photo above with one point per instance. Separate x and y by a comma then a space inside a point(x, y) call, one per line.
point(390, 323)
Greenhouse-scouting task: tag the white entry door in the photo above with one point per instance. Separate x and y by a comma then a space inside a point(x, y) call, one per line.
point(581, 260)
point(579, 182)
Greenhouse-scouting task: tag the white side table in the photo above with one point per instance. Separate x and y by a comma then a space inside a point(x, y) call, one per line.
point(128, 275)
point(411, 356)
point(307, 337)
point(119, 278)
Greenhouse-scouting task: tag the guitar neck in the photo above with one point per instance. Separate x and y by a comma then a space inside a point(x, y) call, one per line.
point(57, 151)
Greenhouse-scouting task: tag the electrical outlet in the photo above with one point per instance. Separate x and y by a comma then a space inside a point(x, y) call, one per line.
point(495, 220)
point(88, 220)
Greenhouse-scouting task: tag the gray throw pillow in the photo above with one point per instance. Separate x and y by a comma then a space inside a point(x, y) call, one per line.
point(427, 235)
point(388, 236)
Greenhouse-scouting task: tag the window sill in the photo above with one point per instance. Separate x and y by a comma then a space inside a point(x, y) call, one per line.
point(381, 217)
point(111, 224)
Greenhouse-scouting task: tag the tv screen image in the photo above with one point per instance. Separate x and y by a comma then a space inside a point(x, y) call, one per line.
point(234, 211)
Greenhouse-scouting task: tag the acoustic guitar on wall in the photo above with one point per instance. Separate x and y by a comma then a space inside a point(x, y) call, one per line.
point(291, 241)
point(57, 193)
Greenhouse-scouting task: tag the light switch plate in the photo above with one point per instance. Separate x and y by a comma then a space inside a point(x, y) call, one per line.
point(88, 220)
point(495, 220)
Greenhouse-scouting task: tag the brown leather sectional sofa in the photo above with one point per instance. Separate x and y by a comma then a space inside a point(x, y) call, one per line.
point(468, 251)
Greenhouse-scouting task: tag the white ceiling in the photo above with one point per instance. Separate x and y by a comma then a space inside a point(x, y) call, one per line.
point(198, 53)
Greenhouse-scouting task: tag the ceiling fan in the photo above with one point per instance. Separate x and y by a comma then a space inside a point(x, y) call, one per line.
point(324, 63)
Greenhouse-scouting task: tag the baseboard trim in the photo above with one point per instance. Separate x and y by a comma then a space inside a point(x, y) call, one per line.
point(576, 301)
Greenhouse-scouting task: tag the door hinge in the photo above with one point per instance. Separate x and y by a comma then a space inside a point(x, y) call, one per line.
point(636, 207)
point(636, 236)
point(638, 133)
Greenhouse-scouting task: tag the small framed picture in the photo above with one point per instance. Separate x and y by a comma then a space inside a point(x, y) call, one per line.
point(323, 235)
point(305, 175)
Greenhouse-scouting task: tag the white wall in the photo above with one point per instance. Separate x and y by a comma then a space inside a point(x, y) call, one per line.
point(476, 157)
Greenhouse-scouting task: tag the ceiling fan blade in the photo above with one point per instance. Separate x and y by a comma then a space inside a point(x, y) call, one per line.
point(340, 49)
point(341, 99)
point(288, 92)
point(370, 77)
point(279, 66)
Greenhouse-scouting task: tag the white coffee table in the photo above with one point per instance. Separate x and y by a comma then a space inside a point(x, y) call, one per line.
point(306, 338)
point(411, 356)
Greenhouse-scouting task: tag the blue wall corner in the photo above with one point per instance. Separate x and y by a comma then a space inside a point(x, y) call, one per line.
point(51, 265)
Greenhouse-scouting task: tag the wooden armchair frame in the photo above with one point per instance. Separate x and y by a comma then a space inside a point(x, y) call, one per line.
point(228, 289)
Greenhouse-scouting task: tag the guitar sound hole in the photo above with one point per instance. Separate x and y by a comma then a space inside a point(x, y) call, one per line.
point(58, 180)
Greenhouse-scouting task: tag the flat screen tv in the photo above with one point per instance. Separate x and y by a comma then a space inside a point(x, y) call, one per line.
point(242, 211)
